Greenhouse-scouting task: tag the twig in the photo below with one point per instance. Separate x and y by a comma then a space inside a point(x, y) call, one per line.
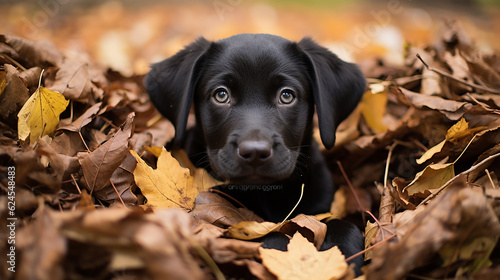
point(370, 248)
point(83, 141)
point(116, 190)
point(353, 191)
point(13, 61)
point(489, 177)
point(76, 184)
point(442, 73)
point(388, 161)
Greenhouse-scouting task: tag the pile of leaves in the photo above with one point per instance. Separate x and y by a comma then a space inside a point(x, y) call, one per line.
point(96, 195)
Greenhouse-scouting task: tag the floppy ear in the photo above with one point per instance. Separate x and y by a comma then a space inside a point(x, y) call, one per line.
point(337, 87)
point(171, 84)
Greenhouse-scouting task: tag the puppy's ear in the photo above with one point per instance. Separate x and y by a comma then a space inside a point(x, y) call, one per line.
point(337, 87)
point(171, 84)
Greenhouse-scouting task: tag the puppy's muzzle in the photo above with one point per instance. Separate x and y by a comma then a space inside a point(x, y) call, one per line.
point(255, 152)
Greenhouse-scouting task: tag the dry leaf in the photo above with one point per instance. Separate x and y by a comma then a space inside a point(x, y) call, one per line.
point(99, 165)
point(454, 110)
point(40, 114)
point(457, 217)
point(43, 248)
point(225, 250)
point(123, 181)
point(74, 81)
point(309, 226)
point(202, 179)
point(249, 230)
point(303, 261)
point(459, 135)
point(431, 178)
point(169, 185)
point(214, 209)
point(83, 120)
point(374, 106)
point(3, 81)
point(31, 76)
point(30, 53)
point(13, 96)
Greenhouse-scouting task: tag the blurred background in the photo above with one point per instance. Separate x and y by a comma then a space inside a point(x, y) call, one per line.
point(128, 35)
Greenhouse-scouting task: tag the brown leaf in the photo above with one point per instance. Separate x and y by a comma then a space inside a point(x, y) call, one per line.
point(83, 120)
point(308, 226)
point(230, 250)
point(13, 96)
point(99, 165)
point(160, 245)
point(459, 214)
point(214, 209)
point(481, 69)
point(43, 248)
point(67, 143)
point(31, 77)
point(60, 166)
point(73, 80)
point(30, 170)
point(454, 110)
point(29, 53)
point(167, 243)
point(123, 180)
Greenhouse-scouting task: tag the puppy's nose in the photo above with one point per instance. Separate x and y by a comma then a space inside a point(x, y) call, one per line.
point(255, 151)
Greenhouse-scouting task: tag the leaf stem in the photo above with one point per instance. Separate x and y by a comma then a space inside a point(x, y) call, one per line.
point(447, 75)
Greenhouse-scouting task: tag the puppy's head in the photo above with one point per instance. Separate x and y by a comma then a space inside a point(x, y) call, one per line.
point(254, 98)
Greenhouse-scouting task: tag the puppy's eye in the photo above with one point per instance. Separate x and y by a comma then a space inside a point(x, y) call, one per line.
point(221, 96)
point(287, 96)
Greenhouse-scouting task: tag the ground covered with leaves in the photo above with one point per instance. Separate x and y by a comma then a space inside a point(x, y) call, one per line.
point(89, 192)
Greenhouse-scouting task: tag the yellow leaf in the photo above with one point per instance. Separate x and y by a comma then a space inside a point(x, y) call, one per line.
point(155, 150)
point(432, 177)
point(374, 105)
point(431, 152)
point(303, 261)
point(202, 179)
point(248, 230)
point(458, 132)
point(3, 82)
point(169, 185)
point(371, 231)
point(40, 114)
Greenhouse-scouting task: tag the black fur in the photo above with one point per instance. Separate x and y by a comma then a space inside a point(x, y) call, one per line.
point(257, 141)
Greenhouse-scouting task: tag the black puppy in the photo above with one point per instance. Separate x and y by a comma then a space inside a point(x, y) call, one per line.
point(254, 97)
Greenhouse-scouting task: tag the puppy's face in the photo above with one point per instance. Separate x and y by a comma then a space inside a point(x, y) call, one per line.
point(254, 96)
point(254, 105)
